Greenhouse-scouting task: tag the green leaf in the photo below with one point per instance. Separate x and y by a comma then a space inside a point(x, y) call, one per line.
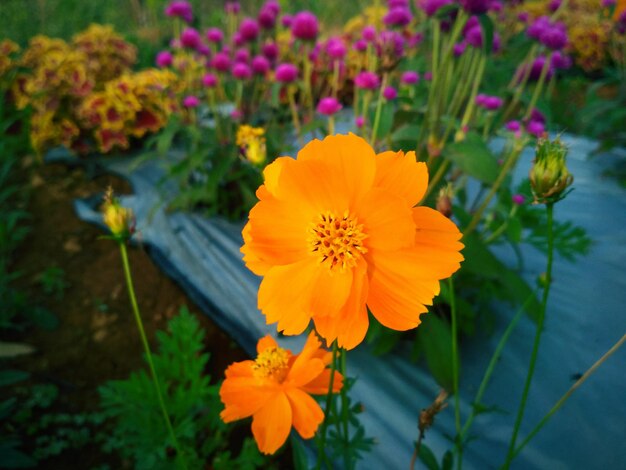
point(11, 376)
point(447, 462)
point(386, 120)
point(473, 157)
point(487, 30)
point(13, 458)
point(405, 136)
point(300, 461)
point(436, 338)
point(427, 457)
point(514, 230)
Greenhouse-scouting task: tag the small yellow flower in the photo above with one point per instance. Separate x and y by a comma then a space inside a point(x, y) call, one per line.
point(252, 142)
point(549, 177)
point(120, 220)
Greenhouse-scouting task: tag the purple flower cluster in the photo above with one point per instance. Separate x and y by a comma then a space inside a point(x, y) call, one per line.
point(180, 9)
point(305, 26)
point(553, 35)
point(328, 106)
point(490, 103)
point(367, 80)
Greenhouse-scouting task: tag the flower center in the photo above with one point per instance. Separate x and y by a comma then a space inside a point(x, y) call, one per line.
point(338, 241)
point(272, 363)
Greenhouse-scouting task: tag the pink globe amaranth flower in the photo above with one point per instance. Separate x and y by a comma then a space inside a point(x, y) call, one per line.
point(431, 7)
point(397, 3)
point(175, 43)
point(266, 19)
point(241, 71)
point(286, 73)
point(558, 60)
point(410, 77)
point(232, 8)
point(209, 80)
point(620, 25)
point(286, 21)
point(270, 50)
point(390, 93)
point(537, 27)
point(367, 80)
point(214, 35)
point(359, 121)
point(236, 114)
point(428, 76)
point(191, 101)
point(415, 39)
point(260, 65)
point(180, 9)
point(164, 59)
point(480, 99)
point(554, 5)
point(474, 37)
point(273, 6)
point(242, 55)
point(360, 45)
point(391, 43)
point(536, 115)
point(518, 199)
point(398, 16)
point(203, 50)
point(328, 106)
point(221, 62)
point(608, 3)
point(536, 128)
point(496, 6)
point(475, 7)
point(249, 29)
point(492, 103)
point(553, 38)
point(190, 37)
point(369, 33)
point(537, 67)
point(459, 48)
point(515, 127)
point(335, 48)
point(305, 26)
point(523, 16)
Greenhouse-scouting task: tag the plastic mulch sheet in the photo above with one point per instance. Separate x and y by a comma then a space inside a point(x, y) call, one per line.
point(586, 315)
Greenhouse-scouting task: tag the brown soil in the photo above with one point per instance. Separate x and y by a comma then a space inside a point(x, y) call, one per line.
point(97, 338)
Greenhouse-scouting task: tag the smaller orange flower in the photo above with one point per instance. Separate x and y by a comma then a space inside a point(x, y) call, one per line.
point(275, 389)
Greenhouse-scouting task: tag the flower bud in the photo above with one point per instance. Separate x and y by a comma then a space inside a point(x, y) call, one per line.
point(549, 177)
point(118, 219)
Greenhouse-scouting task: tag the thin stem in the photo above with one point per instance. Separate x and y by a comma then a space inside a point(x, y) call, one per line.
point(321, 455)
point(508, 164)
point(435, 180)
point(564, 398)
point(540, 321)
point(455, 371)
point(146, 347)
point(344, 408)
point(294, 115)
point(538, 87)
point(379, 107)
point(492, 364)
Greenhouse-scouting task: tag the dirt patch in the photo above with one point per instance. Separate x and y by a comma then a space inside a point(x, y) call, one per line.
point(96, 339)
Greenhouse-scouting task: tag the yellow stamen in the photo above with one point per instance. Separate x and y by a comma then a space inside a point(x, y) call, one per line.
point(338, 241)
point(272, 363)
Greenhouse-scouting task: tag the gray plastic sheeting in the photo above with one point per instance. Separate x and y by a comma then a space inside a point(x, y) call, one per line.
point(586, 315)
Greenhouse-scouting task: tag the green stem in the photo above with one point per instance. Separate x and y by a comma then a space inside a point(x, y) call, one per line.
point(344, 409)
point(504, 171)
point(443, 167)
point(492, 365)
point(379, 107)
point(564, 398)
point(538, 88)
point(321, 455)
point(294, 115)
point(146, 347)
point(540, 321)
point(455, 371)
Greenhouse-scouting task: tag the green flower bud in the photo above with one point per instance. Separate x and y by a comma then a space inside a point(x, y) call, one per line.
point(120, 220)
point(549, 177)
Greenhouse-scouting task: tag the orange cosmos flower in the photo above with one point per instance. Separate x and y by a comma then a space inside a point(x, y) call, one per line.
point(336, 231)
point(275, 390)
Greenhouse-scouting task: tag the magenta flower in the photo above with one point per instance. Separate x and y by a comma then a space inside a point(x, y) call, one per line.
point(241, 71)
point(431, 7)
point(537, 27)
point(260, 65)
point(214, 35)
point(515, 127)
point(328, 106)
point(305, 26)
point(360, 45)
point(359, 121)
point(335, 48)
point(369, 33)
point(286, 73)
point(249, 29)
point(553, 38)
point(428, 76)
point(480, 99)
point(398, 16)
point(180, 9)
point(459, 48)
point(270, 50)
point(242, 55)
point(273, 6)
point(164, 59)
point(191, 101)
point(266, 18)
point(367, 80)
point(410, 77)
point(390, 93)
point(190, 38)
point(558, 60)
point(286, 21)
point(221, 62)
point(232, 8)
point(493, 103)
point(518, 199)
point(209, 80)
point(475, 7)
point(536, 128)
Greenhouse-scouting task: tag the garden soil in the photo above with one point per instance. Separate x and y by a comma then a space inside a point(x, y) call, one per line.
point(96, 339)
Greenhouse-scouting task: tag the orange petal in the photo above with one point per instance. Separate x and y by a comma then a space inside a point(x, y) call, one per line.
point(239, 369)
point(435, 232)
point(253, 263)
point(307, 414)
point(309, 351)
point(350, 326)
point(264, 343)
point(284, 292)
point(277, 232)
point(244, 396)
point(387, 220)
point(271, 174)
point(320, 385)
point(272, 423)
point(402, 175)
point(330, 292)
